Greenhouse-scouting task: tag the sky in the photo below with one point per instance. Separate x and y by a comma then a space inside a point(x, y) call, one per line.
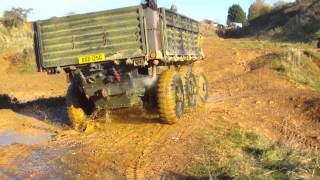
point(197, 9)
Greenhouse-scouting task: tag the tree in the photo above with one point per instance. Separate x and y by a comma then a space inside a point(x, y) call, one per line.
point(236, 14)
point(279, 4)
point(15, 17)
point(258, 8)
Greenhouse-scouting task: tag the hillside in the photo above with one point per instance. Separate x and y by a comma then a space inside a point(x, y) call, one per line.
point(208, 30)
point(17, 38)
point(17, 66)
point(297, 21)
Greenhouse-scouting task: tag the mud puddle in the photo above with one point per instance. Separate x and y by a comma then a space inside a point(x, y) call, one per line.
point(10, 137)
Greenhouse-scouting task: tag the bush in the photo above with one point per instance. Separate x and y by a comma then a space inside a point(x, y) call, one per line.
point(279, 4)
point(275, 32)
point(208, 30)
point(294, 21)
point(24, 57)
point(15, 17)
point(258, 8)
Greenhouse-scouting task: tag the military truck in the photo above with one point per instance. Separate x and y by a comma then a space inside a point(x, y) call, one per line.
point(140, 55)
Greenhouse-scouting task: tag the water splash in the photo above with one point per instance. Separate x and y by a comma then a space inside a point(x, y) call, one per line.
point(150, 81)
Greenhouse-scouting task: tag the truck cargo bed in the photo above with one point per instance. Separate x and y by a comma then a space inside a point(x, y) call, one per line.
point(120, 34)
point(181, 34)
point(116, 33)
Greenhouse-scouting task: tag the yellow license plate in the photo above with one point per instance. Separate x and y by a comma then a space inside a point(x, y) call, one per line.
point(92, 58)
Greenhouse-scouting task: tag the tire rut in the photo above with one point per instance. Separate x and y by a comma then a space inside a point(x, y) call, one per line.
point(140, 166)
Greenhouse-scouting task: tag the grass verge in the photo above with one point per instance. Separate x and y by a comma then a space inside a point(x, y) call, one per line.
point(21, 62)
point(252, 44)
point(16, 48)
point(299, 67)
point(234, 153)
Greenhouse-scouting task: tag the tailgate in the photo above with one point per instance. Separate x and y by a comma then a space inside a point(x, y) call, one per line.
point(180, 34)
point(64, 41)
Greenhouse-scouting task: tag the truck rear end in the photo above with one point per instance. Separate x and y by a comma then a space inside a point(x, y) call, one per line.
point(90, 38)
point(117, 58)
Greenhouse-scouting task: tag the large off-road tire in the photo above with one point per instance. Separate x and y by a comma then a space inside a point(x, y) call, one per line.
point(170, 97)
point(190, 88)
point(78, 108)
point(203, 87)
point(202, 83)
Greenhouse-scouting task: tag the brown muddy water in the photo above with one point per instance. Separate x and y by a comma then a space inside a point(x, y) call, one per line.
point(10, 137)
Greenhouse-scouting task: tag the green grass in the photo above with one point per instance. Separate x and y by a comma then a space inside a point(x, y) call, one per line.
point(295, 65)
point(296, 61)
point(27, 68)
point(16, 38)
point(23, 62)
point(248, 43)
point(314, 54)
point(299, 62)
point(16, 46)
point(238, 154)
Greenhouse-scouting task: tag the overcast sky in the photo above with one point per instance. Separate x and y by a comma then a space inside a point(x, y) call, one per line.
point(198, 9)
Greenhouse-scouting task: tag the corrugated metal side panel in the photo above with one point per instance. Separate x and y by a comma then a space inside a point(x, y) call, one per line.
point(117, 33)
point(181, 34)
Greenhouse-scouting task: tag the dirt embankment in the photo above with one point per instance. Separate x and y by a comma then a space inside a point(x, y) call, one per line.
point(24, 88)
point(257, 99)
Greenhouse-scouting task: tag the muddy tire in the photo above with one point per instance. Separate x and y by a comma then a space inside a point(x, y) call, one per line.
point(190, 88)
point(78, 108)
point(203, 87)
point(170, 97)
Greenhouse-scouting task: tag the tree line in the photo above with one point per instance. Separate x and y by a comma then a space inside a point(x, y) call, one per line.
point(258, 7)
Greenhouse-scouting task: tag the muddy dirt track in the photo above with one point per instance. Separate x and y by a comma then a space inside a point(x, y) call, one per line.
point(39, 144)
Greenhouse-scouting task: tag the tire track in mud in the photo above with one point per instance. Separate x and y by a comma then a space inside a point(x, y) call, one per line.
point(139, 142)
point(144, 136)
point(118, 138)
point(136, 170)
point(150, 147)
point(11, 159)
point(294, 137)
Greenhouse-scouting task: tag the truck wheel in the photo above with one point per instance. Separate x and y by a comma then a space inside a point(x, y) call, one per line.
point(170, 97)
point(77, 105)
point(190, 88)
point(203, 86)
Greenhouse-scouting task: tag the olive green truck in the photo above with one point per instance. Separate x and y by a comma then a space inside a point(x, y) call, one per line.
point(124, 57)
